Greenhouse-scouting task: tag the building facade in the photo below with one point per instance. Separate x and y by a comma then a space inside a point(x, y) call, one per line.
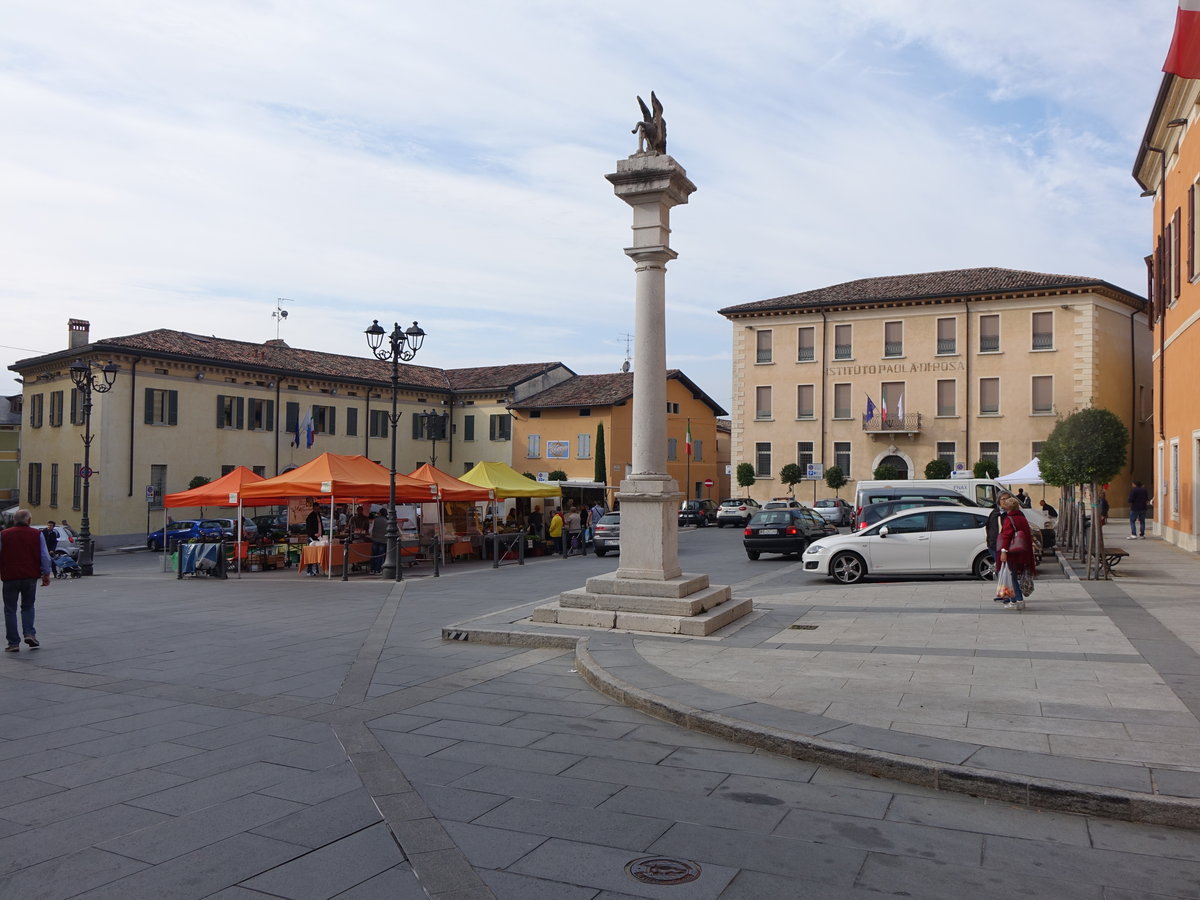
point(960, 366)
point(1168, 169)
point(557, 430)
point(184, 405)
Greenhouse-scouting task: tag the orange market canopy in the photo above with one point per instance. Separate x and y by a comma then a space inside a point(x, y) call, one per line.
point(215, 493)
point(449, 487)
point(351, 477)
point(508, 482)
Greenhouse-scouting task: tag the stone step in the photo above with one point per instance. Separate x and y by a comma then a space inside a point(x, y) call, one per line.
point(679, 586)
point(698, 625)
point(691, 605)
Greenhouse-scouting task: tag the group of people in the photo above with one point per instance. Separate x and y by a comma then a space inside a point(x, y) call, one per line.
point(571, 530)
point(363, 525)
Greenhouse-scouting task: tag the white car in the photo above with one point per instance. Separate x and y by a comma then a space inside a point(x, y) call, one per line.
point(937, 540)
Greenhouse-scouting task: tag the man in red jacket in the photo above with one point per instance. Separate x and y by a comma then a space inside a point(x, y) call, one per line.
point(23, 558)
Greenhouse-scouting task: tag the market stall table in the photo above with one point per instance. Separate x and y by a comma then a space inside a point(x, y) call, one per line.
point(331, 556)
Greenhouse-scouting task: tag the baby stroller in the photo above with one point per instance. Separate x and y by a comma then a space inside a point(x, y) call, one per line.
point(64, 565)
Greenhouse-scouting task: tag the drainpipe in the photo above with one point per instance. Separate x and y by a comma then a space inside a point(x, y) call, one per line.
point(824, 378)
point(278, 418)
point(1133, 416)
point(967, 379)
point(132, 416)
point(367, 425)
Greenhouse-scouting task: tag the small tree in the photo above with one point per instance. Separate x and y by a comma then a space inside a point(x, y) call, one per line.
point(530, 476)
point(937, 468)
point(886, 472)
point(791, 475)
point(835, 479)
point(600, 474)
point(198, 481)
point(557, 475)
point(985, 468)
point(745, 475)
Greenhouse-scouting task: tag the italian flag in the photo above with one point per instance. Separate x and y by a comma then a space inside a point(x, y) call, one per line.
point(1183, 59)
point(688, 442)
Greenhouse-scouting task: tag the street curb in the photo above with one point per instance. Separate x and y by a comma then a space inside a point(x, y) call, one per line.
point(734, 724)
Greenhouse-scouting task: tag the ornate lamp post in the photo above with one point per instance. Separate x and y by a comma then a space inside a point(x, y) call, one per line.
point(83, 375)
point(402, 345)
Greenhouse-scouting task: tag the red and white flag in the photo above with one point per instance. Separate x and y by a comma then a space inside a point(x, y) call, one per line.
point(1183, 59)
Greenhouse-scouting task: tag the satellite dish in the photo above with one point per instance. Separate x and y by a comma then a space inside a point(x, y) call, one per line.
point(625, 366)
point(283, 314)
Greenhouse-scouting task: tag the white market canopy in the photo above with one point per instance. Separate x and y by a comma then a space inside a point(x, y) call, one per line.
point(1027, 474)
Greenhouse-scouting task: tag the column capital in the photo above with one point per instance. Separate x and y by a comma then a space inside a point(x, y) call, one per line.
point(651, 178)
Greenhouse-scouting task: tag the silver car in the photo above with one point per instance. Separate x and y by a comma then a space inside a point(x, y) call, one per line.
point(608, 534)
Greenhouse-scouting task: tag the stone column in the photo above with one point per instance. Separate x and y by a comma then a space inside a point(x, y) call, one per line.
point(651, 183)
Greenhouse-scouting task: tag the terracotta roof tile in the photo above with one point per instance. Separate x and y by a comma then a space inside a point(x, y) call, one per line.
point(955, 282)
point(482, 378)
point(603, 390)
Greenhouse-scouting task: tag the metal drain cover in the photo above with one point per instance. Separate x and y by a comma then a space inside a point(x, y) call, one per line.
point(663, 870)
point(805, 627)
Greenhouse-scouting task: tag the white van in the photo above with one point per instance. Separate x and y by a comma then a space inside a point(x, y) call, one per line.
point(982, 491)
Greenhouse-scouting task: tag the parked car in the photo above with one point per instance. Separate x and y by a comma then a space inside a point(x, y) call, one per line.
point(783, 503)
point(783, 530)
point(736, 511)
point(229, 528)
point(877, 512)
point(271, 524)
point(608, 534)
point(183, 530)
point(911, 491)
point(698, 512)
point(68, 541)
point(936, 540)
point(835, 510)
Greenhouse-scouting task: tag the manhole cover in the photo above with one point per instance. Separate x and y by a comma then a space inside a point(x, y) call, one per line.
point(663, 870)
point(805, 627)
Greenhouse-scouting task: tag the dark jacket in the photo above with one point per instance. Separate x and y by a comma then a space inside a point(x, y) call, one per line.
point(51, 538)
point(992, 529)
point(1139, 499)
point(312, 525)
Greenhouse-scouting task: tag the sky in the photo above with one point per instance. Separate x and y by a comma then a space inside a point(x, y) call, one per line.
point(182, 165)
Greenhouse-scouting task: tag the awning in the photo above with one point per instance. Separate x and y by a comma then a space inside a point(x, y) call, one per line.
point(508, 482)
point(451, 488)
point(349, 477)
point(1027, 474)
point(216, 493)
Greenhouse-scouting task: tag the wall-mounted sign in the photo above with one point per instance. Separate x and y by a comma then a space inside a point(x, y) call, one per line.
point(558, 449)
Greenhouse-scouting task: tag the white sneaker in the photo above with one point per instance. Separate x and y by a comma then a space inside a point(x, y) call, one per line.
point(1132, 537)
point(1008, 604)
point(1020, 604)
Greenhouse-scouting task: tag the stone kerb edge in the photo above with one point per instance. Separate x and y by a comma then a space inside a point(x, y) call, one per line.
point(1041, 793)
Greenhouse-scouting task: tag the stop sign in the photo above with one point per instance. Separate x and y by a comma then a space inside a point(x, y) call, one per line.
point(708, 482)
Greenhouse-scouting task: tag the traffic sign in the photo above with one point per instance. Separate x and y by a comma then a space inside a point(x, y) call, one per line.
point(815, 470)
point(85, 472)
point(708, 482)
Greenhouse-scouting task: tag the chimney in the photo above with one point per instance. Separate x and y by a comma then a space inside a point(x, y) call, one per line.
point(78, 333)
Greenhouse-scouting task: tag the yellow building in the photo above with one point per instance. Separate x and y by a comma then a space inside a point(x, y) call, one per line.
point(960, 366)
point(1168, 168)
point(184, 405)
point(557, 430)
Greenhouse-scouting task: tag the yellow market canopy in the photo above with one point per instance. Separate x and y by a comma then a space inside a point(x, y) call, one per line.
point(508, 482)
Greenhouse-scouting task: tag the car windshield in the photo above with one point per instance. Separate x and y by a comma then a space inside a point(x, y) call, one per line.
point(610, 519)
point(772, 517)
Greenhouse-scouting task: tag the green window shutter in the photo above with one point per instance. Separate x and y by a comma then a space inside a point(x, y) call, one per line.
point(172, 407)
point(291, 417)
point(220, 410)
point(332, 419)
point(75, 406)
point(241, 413)
point(468, 428)
point(416, 427)
point(149, 406)
point(352, 421)
point(269, 417)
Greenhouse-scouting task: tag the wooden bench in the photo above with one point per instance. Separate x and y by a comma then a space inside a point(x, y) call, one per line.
point(1113, 555)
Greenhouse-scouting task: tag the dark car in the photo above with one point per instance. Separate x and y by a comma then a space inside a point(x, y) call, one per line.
point(866, 498)
point(736, 511)
point(607, 534)
point(698, 512)
point(183, 530)
point(835, 510)
point(276, 524)
point(869, 515)
point(786, 531)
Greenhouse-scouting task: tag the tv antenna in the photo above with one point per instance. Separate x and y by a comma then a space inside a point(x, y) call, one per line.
point(628, 338)
point(280, 313)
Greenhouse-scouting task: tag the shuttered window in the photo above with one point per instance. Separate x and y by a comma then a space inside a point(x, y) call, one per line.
point(989, 396)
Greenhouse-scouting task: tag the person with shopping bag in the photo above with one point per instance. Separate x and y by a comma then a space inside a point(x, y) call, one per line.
point(1014, 553)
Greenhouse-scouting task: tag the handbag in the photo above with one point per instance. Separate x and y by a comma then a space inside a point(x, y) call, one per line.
point(1020, 543)
point(1027, 583)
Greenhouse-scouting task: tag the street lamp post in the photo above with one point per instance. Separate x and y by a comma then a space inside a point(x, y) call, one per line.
point(84, 377)
point(402, 345)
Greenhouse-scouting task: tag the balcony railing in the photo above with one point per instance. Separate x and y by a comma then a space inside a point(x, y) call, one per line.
point(843, 351)
point(1043, 341)
point(909, 422)
point(989, 344)
point(893, 348)
point(806, 354)
point(764, 356)
point(949, 345)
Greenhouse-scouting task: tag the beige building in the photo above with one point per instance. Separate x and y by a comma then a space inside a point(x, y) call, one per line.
point(184, 405)
point(961, 366)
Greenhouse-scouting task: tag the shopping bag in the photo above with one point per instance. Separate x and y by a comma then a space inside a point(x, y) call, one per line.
point(1005, 586)
point(1027, 583)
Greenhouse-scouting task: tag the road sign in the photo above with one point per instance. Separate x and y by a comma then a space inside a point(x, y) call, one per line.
point(708, 482)
point(85, 472)
point(149, 493)
point(815, 470)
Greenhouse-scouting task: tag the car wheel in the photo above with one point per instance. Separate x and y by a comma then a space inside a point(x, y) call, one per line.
point(153, 545)
point(752, 554)
point(985, 567)
point(601, 552)
point(847, 568)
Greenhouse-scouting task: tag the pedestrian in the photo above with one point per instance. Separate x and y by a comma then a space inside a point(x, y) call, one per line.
point(1103, 507)
point(1024, 499)
point(595, 514)
point(556, 529)
point(23, 559)
point(1049, 511)
point(573, 527)
point(50, 534)
point(1014, 544)
point(379, 528)
point(1139, 499)
point(535, 521)
point(315, 529)
point(992, 528)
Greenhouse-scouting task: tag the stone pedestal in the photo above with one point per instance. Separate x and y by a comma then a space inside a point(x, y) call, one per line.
point(649, 591)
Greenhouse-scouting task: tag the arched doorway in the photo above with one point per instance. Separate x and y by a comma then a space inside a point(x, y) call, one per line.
point(899, 463)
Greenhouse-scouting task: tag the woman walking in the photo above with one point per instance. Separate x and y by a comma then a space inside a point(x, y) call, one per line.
point(1014, 547)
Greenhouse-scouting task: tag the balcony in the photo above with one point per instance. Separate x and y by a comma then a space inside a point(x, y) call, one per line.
point(909, 423)
point(1043, 341)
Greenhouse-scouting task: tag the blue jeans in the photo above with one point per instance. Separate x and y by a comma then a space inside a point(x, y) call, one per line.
point(1137, 517)
point(23, 589)
point(378, 552)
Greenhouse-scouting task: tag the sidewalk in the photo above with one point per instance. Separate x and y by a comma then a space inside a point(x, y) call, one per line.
point(1088, 701)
